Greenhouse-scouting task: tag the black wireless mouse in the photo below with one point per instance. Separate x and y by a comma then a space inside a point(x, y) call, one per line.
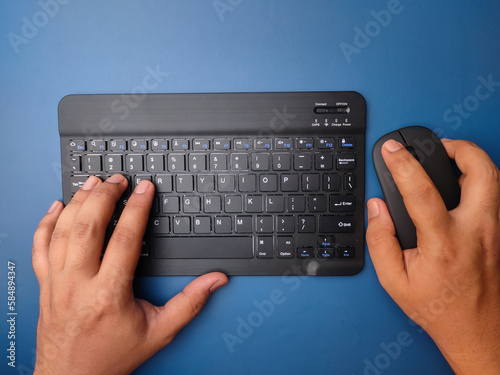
point(427, 148)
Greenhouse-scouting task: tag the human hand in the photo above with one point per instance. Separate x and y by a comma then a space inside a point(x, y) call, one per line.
point(450, 283)
point(90, 322)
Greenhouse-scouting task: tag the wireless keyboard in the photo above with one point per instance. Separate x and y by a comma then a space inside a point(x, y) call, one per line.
point(246, 183)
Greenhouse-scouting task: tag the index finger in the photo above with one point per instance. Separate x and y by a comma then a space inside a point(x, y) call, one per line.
point(124, 247)
point(481, 178)
point(421, 198)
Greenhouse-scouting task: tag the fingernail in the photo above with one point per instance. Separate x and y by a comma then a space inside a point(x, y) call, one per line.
point(53, 207)
point(216, 286)
point(142, 187)
point(373, 209)
point(91, 182)
point(116, 179)
point(392, 146)
point(445, 140)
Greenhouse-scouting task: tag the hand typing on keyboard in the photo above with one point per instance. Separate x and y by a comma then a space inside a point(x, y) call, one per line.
point(89, 320)
point(450, 283)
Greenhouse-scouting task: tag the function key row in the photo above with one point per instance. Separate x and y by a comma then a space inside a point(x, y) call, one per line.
point(217, 144)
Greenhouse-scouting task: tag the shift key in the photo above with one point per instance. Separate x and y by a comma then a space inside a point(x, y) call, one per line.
point(336, 224)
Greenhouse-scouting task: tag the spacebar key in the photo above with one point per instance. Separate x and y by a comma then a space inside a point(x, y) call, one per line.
point(203, 247)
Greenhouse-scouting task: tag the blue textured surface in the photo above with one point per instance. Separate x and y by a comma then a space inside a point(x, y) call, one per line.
point(412, 69)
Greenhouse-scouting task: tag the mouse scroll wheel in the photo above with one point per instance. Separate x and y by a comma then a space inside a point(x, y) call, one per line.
point(412, 151)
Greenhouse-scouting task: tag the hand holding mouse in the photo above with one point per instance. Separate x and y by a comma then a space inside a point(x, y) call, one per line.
point(90, 322)
point(450, 283)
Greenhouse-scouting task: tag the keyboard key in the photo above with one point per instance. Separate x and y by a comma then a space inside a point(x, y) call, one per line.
point(159, 144)
point(285, 224)
point(197, 162)
point(284, 143)
point(201, 144)
point(285, 247)
point(289, 182)
point(184, 183)
point(222, 225)
point(345, 252)
point(170, 204)
point(332, 182)
point(160, 225)
point(346, 160)
point(76, 182)
point(218, 162)
point(265, 247)
point(307, 224)
point(206, 183)
point(202, 225)
point(253, 203)
point(281, 162)
point(265, 224)
point(155, 163)
point(243, 144)
point(349, 181)
point(212, 204)
point(226, 183)
point(323, 161)
point(275, 203)
point(233, 203)
point(304, 143)
point(302, 162)
point(239, 162)
point(326, 241)
point(268, 182)
point(75, 163)
point(310, 182)
point(342, 203)
point(305, 253)
point(180, 144)
point(317, 203)
point(92, 163)
point(138, 144)
point(247, 183)
point(221, 144)
point(336, 224)
point(296, 203)
point(176, 163)
point(163, 183)
point(243, 224)
point(237, 247)
point(263, 143)
point(326, 253)
point(139, 177)
point(181, 224)
point(113, 163)
point(326, 143)
point(191, 204)
point(347, 142)
point(134, 163)
point(97, 145)
point(77, 145)
point(260, 162)
point(117, 145)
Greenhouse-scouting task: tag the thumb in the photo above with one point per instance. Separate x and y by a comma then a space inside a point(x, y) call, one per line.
point(385, 251)
point(183, 307)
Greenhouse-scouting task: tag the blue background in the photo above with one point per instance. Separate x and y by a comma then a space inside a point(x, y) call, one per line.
point(412, 69)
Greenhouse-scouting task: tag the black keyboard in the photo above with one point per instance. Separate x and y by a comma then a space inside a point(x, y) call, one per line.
point(246, 183)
